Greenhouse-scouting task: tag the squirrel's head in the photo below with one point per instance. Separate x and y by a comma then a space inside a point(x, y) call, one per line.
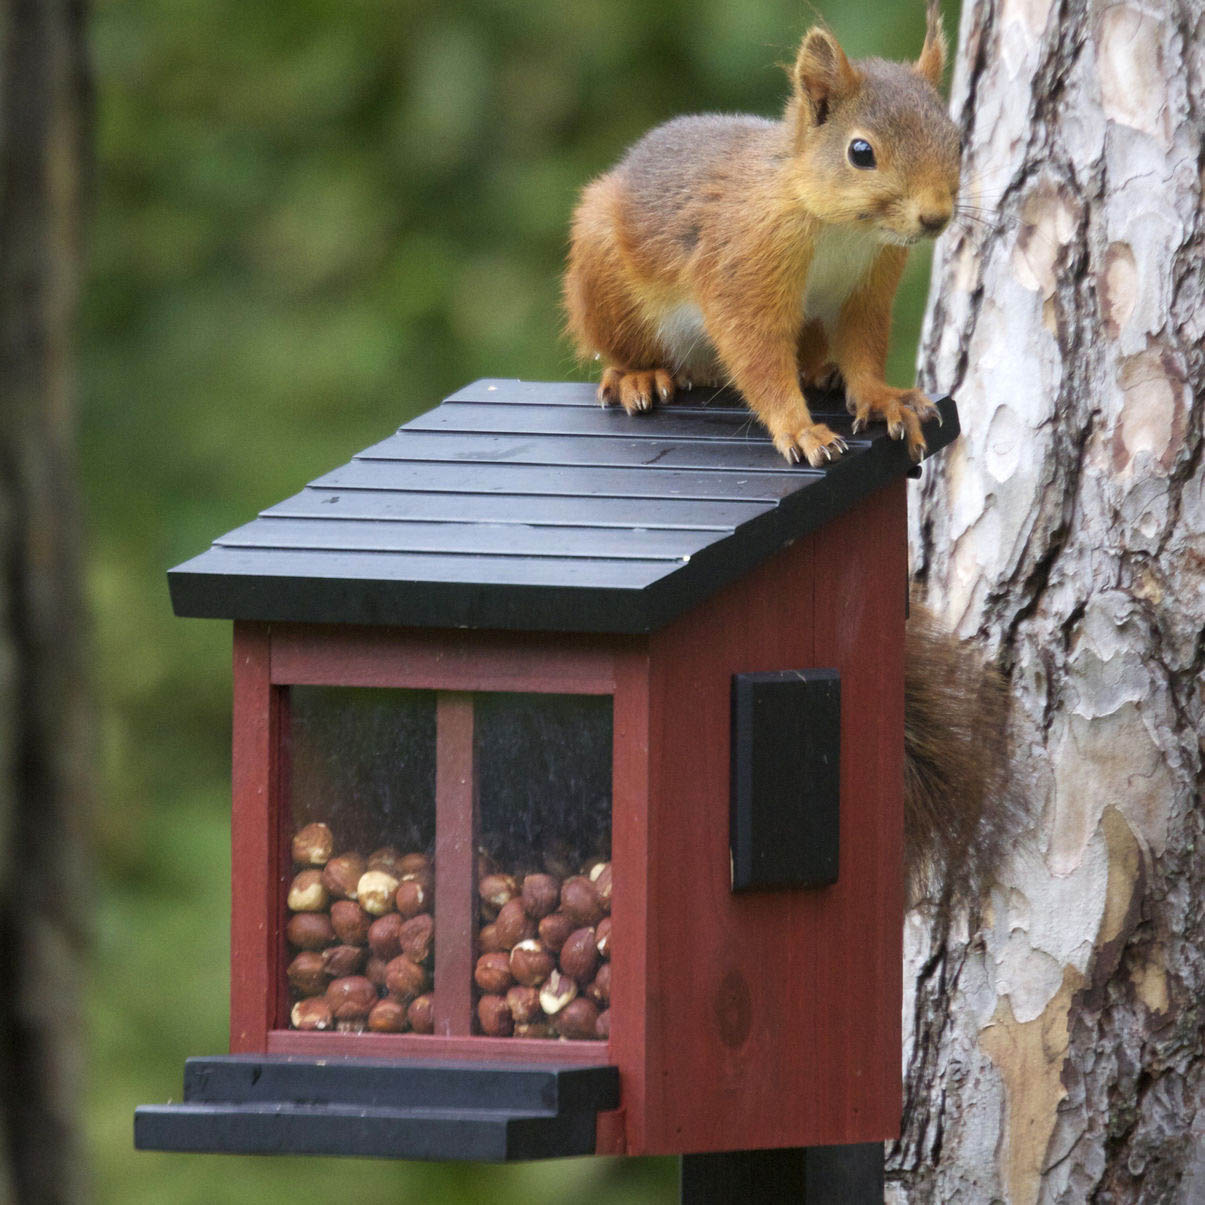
point(874, 144)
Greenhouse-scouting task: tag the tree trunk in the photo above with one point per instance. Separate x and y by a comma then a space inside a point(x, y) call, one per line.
point(43, 730)
point(1057, 1044)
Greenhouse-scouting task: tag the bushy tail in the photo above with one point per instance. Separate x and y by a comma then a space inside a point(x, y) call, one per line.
point(961, 812)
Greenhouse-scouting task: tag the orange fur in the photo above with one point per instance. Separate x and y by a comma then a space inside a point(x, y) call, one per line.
point(735, 249)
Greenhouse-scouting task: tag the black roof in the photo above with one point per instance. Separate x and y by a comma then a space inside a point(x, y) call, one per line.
point(524, 505)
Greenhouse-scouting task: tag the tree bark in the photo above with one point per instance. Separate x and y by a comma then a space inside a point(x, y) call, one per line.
point(1057, 1046)
point(44, 771)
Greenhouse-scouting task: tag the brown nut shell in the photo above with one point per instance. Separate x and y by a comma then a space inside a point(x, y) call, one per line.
point(375, 891)
point(404, 978)
point(384, 936)
point(600, 988)
point(387, 858)
point(602, 937)
point(541, 893)
point(492, 973)
point(533, 1029)
point(600, 876)
point(487, 939)
point(524, 1003)
point(557, 991)
point(602, 1027)
point(341, 874)
point(421, 1014)
point(494, 1016)
point(351, 998)
point(411, 898)
point(387, 1016)
point(579, 900)
point(577, 1019)
point(374, 971)
point(414, 861)
point(531, 963)
point(307, 973)
point(350, 922)
point(312, 1013)
point(513, 925)
point(415, 936)
point(340, 961)
point(579, 955)
point(307, 892)
point(554, 929)
point(309, 930)
point(313, 845)
point(496, 889)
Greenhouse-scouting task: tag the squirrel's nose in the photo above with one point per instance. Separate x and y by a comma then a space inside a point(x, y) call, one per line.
point(933, 222)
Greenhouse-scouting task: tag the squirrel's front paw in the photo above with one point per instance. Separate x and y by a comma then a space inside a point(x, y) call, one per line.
point(636, 391)
point(816, 444)
point(903, 410)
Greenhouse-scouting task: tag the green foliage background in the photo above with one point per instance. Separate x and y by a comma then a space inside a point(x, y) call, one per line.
point(314, 220)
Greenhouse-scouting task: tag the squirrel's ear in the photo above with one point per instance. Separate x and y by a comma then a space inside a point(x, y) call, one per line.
point(932, 59)
point(822, 73)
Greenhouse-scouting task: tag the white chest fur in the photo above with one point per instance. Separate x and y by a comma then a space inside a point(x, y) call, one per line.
point(840, 262)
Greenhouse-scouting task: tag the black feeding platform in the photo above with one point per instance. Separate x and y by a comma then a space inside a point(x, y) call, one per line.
point(524, 505)
point(287, 1105)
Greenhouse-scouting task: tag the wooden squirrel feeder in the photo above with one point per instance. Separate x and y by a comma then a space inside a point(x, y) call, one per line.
point(528, 637)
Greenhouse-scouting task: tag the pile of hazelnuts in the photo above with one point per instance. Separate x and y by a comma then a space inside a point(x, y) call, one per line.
point(362, 930)
point(544, 954)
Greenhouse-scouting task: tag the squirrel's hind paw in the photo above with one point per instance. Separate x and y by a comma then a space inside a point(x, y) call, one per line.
point(636, 391)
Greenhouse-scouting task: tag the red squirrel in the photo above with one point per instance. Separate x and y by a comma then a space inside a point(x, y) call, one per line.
point(766, 254)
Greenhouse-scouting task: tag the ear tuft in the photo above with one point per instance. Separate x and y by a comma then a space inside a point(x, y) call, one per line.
point(932, 59)
point(822, 72)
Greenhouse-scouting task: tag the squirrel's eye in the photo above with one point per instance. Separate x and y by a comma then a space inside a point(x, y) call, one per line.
point(861, 154)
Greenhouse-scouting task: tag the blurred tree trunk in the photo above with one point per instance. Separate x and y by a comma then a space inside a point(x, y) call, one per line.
point(1057, 1053)
point(44, 770)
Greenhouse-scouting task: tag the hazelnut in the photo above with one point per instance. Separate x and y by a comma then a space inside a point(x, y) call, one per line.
point(375, 891)
point(339, 961)
point(307, 973)
point(524, 1003)
point(579, 955)
point(306, 892)
point(554, 929)
point(557, 991)
point(309, 930)
point(313, 845)
point(351, 998)
point(387, 1016)
point(424, 878)
point(492, 973)
point(387, 859)
point(577, 1019)
point(600, 876)
point(513, 925)
point(404, 979)
point(541, 894)
point(410, 898)
point(530, 964)
point(602, 937)
point(602, 1027)
point(421, 1014)
point(341, 874)
point(384, 936)
point(579, 900)
point(496, 889)
point(533, 1029)
point(374, 971)
point(495, 1018)
point(350, 922)
point(409, 863)
point(415, 936)
point(487, 939)
point(312, 1013)
point(600, 989)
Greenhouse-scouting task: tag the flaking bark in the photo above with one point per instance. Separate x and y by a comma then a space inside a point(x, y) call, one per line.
point(1057, 1038)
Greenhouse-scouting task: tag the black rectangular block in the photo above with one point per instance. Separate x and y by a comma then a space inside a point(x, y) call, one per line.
point(786, 759)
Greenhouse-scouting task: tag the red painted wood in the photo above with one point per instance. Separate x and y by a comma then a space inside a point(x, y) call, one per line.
point(438, 660)
point(408, 1045)
point(455, 863)
point(609, 1133)
point(255, 981)
point(767, 1014)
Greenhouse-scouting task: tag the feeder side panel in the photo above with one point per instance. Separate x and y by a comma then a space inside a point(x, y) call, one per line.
point(774, 1015)
point(256, 917)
